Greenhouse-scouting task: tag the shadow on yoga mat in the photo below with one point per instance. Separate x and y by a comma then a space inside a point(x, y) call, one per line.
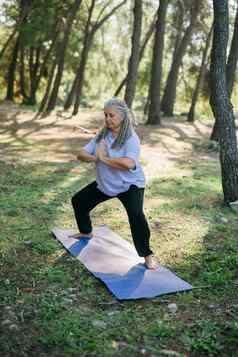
point(115, 261)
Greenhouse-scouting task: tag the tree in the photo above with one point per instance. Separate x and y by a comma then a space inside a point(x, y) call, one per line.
point(24, 11)
point(221, 105)
point(232, 58)
point(156, 69)
point(89, 33)
point(60, 59)
point(87, 43)
point(191, 113)
point(230, 71)
point(135, 54)
point(12, 70)
point(145, 41)
point(24, 6)
point(8, 41)
point(168, 100)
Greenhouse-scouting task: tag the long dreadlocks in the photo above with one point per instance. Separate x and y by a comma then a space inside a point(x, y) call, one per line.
point(126, 128)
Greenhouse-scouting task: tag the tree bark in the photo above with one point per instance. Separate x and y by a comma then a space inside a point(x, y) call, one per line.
point(156, 71)
point(12, 70)
point(22, 74)
point(71, 95)
point(45, 99)
point(80, 76)
point(168, 100)
point(135, 54)
point(42, 66)
point(230, 72)
point(221, 105)
point(34, 67)
point(145, 41)
point(9, 40)
point(61, 55)
point(191, 114)
point(178, 21)
point(232, 58)
point(215, 132)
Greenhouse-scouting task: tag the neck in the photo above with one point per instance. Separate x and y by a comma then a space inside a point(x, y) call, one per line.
point(115, 132)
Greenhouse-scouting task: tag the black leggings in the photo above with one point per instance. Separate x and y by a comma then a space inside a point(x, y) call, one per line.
point(90, 196)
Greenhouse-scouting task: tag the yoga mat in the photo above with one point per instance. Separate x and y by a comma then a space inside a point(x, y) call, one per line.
point(115, 261)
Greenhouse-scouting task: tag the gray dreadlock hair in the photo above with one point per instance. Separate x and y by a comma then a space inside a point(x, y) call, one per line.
point(126, 128)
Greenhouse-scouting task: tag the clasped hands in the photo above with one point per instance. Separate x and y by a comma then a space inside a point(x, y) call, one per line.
point(101, 151)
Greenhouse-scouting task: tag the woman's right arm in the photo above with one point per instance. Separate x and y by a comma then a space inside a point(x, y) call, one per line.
point(84, 156)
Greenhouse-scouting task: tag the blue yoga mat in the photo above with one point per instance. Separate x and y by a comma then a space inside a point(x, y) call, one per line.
point(115, 261)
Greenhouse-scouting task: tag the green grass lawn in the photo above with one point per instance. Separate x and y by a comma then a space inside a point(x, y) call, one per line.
point(51, 306)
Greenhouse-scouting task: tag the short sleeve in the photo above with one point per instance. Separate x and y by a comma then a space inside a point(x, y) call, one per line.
point(91, 147)
point(132, 148)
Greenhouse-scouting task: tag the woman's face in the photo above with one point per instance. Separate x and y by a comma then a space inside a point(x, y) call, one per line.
point(112, 119)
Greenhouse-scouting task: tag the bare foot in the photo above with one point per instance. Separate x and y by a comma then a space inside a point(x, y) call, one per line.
point(150, 262)
point(81, 235)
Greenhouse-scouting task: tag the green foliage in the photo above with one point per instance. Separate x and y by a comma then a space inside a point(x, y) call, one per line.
point(108, 59)
point(203, 337)
point(161, 329)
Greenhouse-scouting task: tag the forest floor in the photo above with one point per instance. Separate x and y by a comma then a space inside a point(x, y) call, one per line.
point(50, 305)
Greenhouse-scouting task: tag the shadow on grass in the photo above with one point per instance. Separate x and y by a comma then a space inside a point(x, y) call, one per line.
point(63, 136)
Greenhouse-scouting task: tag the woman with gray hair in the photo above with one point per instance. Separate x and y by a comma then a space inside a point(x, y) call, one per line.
point(115, 151)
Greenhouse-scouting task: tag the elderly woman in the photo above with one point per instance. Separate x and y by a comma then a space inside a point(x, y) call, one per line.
point(115, 151)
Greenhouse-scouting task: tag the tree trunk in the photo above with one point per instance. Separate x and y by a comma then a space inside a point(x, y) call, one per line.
point(191, 114)
point(230, 72)
point(46, 59)
point(178, 21)
point(156, 70)
point(86, 48)
point(45, 99)
point(79, 77)
point(22, 74)
point(121, 85)
point(135, 54)
point(215, 132)
point(145, 41)
point(25, 7)
point(10, 38)
point(168, 100)
point(34, 67)
point(12, 70)
point(221, 105)
point(71, 95)
point(232, 58)
point(61, 55)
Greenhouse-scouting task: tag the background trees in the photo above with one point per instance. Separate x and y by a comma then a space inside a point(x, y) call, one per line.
point(156, 68)
point(51, 53)
point(154, 54)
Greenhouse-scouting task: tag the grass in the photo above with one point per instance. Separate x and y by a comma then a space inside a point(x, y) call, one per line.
point(51, 306)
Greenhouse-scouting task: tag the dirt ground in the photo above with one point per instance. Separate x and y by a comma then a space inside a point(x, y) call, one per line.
point(57, 138)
